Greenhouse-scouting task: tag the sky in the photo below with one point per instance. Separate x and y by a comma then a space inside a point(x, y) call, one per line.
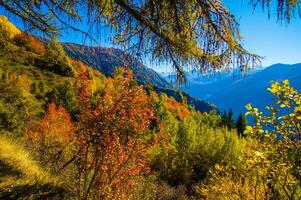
point(277, 43)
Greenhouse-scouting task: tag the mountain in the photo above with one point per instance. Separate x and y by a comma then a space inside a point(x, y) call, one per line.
point(106, 59)
point(235, 92)
point(195, 78)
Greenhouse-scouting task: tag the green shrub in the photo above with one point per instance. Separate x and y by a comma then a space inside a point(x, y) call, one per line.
point(196, 147)
point(55, 60)
point(66, 95)
point(13, 112)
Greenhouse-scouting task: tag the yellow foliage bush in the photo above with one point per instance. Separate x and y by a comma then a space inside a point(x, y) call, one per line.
point(10, 29)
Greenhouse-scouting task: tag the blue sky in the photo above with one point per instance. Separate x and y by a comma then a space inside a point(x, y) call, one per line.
point(278, 43)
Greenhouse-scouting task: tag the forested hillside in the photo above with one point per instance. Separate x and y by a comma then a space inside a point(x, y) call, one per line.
point(106, 60)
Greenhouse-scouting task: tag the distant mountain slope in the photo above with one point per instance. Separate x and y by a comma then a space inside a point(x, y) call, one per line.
point(106, 59)
point(195, 78)
point(235, 93)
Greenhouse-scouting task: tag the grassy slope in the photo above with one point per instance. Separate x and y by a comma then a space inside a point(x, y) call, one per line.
point(21, 177)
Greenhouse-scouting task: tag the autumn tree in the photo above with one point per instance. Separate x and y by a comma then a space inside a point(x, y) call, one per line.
point(52, 135)
point(114, 136)
point(270, 159)
point(156, 28)
point(281, 130)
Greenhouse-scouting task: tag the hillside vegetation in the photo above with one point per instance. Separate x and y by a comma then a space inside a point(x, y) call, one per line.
point(69, 132)
point(9, 28)
point(106, 60)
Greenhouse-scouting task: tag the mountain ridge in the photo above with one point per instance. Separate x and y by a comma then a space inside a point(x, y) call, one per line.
point(105, 60)
point(236, 93)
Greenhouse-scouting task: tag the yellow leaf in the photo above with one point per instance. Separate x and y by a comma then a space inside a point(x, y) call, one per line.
point(286, 82)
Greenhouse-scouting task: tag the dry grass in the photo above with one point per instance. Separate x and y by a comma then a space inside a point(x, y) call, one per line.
point(22, 178)
point(15, 159)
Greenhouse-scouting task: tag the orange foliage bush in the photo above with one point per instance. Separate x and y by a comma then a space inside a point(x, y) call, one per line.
point(110, 143)
point(176, 107)
point(56, 126)
point(126, 105)
point(52, 137)
point(111, 138)
point(30, 43)
point(122, 166)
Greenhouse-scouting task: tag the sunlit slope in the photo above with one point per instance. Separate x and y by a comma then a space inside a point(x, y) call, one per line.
point(8, 27)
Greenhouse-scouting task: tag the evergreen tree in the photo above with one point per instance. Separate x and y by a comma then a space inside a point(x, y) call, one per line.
point(227, 120)
point(224, 118)
point(230, 119)
point(241, 124)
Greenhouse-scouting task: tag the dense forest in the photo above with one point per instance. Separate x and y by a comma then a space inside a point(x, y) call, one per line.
point(67, 131)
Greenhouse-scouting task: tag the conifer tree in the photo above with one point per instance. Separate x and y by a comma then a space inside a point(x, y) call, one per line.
point(241, 124)
point(227, 119)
